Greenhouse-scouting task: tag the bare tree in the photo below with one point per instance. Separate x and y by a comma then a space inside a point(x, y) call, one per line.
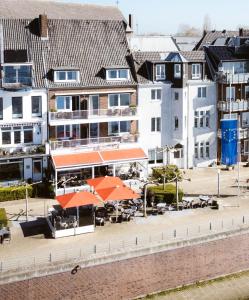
point(187, 30)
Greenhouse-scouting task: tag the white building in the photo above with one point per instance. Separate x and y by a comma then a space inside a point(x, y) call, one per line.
point(177, 108)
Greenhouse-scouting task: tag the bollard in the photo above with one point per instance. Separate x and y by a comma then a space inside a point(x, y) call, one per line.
point(232, 222)
point(210, 226)
point(123, 244)
point(222, 224)
point(109, 246)
point(174, 233)
point(243, 220)
point(187, 231)
point(162, 235)
point(95, 249)
point(34, 261)
point(50, 257)
point(136, 241)
point(1, 266)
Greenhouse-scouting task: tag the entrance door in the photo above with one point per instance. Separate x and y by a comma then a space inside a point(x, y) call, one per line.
point(37, 169)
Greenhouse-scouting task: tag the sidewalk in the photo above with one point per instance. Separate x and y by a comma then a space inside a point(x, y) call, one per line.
point(235, 287)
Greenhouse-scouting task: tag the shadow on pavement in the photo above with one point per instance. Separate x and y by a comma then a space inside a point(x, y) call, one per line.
point(37, 227)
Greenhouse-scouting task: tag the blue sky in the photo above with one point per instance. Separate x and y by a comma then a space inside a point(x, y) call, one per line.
point(164, 16)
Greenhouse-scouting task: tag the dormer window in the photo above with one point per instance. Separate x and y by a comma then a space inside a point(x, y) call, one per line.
point(17, 74)
point(66, 76)
point(196, 71)
point(177, 71)
point(160, 72)
point(117, 74)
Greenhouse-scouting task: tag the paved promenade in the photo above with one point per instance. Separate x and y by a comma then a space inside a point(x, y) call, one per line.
point(231, 288)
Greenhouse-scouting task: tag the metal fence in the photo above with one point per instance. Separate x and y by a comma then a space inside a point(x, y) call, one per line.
point(118, 246)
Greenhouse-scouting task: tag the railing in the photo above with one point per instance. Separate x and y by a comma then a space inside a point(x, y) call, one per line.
point(239, 105)
point(172, 237)
point(243, 133)
point(81, 143)
point(223, 77)
point(22, 151)
point(87, 114)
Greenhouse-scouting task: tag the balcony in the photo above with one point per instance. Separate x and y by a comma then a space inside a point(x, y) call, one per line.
point(20, 151)
point(92, 114)
point(241, 105)
point(94, 143)
point(243, 133)
point(226, 78)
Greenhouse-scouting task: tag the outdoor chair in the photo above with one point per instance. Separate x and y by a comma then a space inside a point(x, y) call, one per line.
point(99, 221)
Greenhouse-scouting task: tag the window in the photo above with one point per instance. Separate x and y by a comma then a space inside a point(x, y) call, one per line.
point(13, 170)
point(114, 128)
point(17, 135)
point(196, 119)
point(1, 108)
point(160, 72)
point(36, 106)
point(63, 132)
point(117, 74)
point(230, 93)
point(64, 103)
point(16, 107)
point(246, 147)
point(156, 94)
point(18, 74)
point(94, 130)
point(176, 123)
point(118, 100)
point(207, 117)
point(176, 95)
point(202, 92)
point(207, 150)
point(66, 76)
point(177, 70)
point(37, 166)
point(202, 119)
point(28, 134)
point(196, 71)
point(94, 104)
point(155, 124)
point(155, 156)
point(247, 92)
point(201, 149)
point(196, 150)
point(6, 136)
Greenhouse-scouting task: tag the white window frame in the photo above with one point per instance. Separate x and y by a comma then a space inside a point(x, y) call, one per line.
point(119, 100)
point(195, 74)
point(160, 72)
point(17, 116)
point(177, 73)
point(118, 74)
point(156, 123)
point(157, 93)
point(40, 106)
point(65, 101)
point(230, 93)
point(158, 155)
point(246, 147)
point(119, 132)
point(201, 117)
point(202, 93)
point(56, 76)
point(204, 146)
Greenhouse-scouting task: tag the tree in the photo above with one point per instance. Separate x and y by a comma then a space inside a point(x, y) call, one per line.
point(187, 30)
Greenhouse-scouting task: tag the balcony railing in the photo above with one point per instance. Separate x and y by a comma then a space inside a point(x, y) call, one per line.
point(243, 133)
point(239, 105)
point(93, 142)
point(226, 78)
point(22, 151)
point(87, 114)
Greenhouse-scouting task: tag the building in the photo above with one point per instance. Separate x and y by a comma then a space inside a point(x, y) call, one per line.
point(229, 68)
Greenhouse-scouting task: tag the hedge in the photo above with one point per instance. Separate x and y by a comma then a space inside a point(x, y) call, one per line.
point(3, 218)
point(10, 193)
point(14, 193)
point(167, 195)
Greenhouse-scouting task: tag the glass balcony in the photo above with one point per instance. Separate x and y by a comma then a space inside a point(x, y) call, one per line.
point(226, 106)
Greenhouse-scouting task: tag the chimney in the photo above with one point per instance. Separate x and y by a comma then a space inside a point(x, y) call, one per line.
point(131, 21)
point(43, 26)
point(241, 32)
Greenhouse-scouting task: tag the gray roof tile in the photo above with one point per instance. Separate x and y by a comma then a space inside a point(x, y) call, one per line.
point(86, 45)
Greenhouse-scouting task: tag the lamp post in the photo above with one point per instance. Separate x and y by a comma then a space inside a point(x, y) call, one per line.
point(145, 195)
point(218, 192)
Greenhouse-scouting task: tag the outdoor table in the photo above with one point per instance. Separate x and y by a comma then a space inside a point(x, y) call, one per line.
point(204, 198)
point(161, 205)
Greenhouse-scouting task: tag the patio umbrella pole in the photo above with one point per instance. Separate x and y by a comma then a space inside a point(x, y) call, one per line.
point(78, 221)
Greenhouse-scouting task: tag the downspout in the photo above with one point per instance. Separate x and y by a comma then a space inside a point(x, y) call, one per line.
point(188, 127)
point(1, 48)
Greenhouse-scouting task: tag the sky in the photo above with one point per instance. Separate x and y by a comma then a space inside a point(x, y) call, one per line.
point(165, 16)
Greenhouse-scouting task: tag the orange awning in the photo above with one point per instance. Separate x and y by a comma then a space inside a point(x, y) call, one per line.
point(104, 182)
point(77, 159)
point(97, 157)
point(123, 154)
point(117, 193)
point(77, 199)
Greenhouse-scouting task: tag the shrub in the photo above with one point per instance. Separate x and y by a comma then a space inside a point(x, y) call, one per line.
point(3, 218)
point(167, 195)
point(14, 193)
point(43, 189)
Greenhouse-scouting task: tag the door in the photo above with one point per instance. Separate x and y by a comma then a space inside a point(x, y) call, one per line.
point(37, 169)
point(94, 101)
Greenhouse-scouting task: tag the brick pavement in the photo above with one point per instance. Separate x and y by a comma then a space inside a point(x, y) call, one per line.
point(139, 276)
